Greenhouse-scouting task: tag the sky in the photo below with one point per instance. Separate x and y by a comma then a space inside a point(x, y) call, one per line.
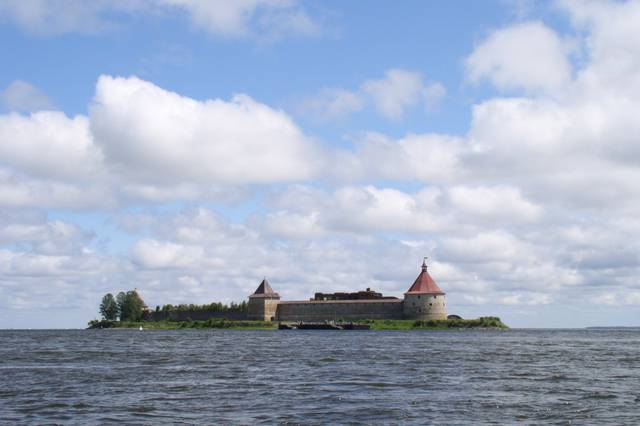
point(190, 148)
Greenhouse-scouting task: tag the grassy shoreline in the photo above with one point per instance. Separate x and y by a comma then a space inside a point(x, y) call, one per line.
point(449, 324)
point(222, 323)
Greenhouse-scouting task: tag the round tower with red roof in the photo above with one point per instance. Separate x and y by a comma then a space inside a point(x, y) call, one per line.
point(424, 300)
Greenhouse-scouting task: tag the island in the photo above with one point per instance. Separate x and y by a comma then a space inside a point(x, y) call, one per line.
point(423, 307)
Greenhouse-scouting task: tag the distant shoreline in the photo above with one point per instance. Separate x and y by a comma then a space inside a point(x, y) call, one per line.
point(613, 327)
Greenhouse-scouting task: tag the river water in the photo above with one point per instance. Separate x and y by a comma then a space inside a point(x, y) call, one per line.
point(320, 377)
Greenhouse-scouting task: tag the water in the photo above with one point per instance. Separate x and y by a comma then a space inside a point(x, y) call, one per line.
point(320, 377)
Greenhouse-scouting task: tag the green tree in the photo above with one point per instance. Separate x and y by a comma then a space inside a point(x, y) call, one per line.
point(120, 301)
point(130, 306)
point(109, 307)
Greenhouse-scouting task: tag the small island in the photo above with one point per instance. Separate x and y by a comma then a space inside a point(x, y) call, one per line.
point(223, 323)
point(423, 308)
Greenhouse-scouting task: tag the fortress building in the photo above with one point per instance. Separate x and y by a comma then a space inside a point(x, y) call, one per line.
point(424, 300)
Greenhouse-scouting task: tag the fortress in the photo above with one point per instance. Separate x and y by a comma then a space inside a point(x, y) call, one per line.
point(424, 300)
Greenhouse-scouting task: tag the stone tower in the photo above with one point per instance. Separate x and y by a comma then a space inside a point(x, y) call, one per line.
point(263, 303)
point(424, 300)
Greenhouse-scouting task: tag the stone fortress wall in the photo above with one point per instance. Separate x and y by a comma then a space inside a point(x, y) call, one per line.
point(424, 301)
point(347, 310)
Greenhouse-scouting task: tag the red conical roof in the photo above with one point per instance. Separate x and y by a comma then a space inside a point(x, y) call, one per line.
point(424, 284)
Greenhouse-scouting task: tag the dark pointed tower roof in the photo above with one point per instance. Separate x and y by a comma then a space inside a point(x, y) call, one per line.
point(265, 290)
point(424, 284)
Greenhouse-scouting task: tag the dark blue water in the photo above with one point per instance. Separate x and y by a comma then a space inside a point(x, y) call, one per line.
point(320, 377)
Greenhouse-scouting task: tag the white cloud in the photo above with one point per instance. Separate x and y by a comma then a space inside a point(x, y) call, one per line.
point(304, 212)
point(500, 202)
point(49, 160)
point(392, 96)
point(571, 153)
point(191, 191)
point(527, 56)
point(141, 142)
point(427, 157)
point(24, 97)
point(292, 225)
point(612, 43)
point(55, 237)
point(617, 299)
point(18, 190)
point(379, 209)
point(485, 247)
point(400, 90)
point(229, 18)
point(528, 299)
point(158, 136)
point(154, 254)
point(239, 18)
point(49, 144)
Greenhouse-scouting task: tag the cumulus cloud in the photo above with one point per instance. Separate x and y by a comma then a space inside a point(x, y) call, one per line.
point(353, 209)
point(527, 56)
point(303, 212)
point(424, 157)
point(48, 159)
point(156, 135)
point(24, 97)
point(33, 232)
point(400, 90)
point(391, 96)
point(154, 254)
point(141, 142)
point(486, 247)
point(611, 43)
point(496, 202)
point(571, 153)
point(20, 190)
point(48, 144)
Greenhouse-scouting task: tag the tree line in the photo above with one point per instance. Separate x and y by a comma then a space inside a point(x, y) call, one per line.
point(211, 307)
point(129, 306)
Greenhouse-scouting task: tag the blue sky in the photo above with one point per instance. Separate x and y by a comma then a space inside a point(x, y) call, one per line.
point(189, 148)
